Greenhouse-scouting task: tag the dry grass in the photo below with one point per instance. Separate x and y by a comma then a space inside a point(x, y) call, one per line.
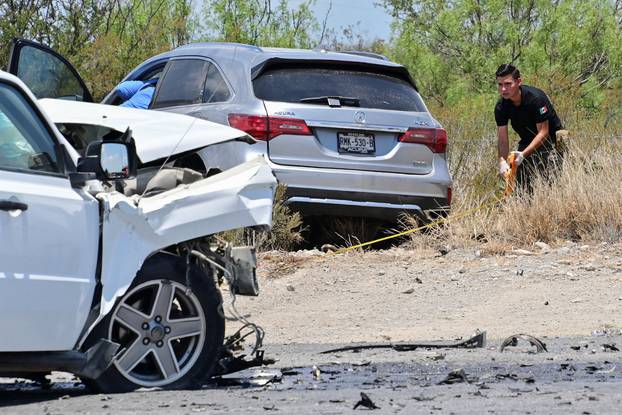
point(583, 203)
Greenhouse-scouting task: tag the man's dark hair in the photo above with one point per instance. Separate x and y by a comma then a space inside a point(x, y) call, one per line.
point(508, 69)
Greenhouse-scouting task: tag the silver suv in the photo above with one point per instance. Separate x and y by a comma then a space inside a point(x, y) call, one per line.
point(348, 133)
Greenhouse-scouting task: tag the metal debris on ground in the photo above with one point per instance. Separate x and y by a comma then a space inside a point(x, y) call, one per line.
point(365, 402)
point(328, 248)
point(513, 341)
point(435, 356)
point(455, 376)
point(260, 377)
point(478, 340)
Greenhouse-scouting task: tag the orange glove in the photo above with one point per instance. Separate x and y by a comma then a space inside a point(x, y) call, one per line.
point(510, 174)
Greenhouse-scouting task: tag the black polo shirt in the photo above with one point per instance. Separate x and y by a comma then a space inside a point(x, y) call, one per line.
point(535, 107)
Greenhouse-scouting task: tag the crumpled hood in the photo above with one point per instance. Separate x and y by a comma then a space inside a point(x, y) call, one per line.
point(157, 134)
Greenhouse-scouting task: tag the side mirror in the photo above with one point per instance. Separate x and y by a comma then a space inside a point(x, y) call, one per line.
point(110, 159)
point(114, 161)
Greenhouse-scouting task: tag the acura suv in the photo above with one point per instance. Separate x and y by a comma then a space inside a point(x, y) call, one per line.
point(347, 133)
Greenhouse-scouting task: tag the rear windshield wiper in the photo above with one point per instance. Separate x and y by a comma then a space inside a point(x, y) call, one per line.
point(334, 101)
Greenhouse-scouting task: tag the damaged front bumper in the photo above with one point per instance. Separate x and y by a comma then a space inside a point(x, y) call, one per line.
point(134, 228)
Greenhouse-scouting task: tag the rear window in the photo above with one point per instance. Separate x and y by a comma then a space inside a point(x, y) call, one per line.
point(372, 90)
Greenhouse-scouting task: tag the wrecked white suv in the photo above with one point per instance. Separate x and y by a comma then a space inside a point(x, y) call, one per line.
point(110, 274)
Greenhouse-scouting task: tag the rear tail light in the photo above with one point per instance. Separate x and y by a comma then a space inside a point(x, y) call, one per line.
point(266, 128)
point(449, 196)
point(434, 138)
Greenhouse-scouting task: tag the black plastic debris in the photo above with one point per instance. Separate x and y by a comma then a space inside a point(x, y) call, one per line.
point(511, 376)
point(455, 376)
point(478, 340)
point(365, 402)
point(423, 398)
point(592, 369)
point(610, 347)
point(513, 341)
point(567, 366)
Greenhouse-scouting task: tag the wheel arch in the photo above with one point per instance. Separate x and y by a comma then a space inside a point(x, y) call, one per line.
point(163, 265)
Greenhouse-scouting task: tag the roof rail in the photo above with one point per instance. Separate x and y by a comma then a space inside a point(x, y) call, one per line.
point(222, 44)
point(367, 54)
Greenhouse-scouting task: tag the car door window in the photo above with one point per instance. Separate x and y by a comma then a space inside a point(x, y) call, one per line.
point(47, 76)
point(216, 89)
point(25, 143)
point(183, 83)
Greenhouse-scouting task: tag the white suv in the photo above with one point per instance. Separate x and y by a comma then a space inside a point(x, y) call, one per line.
point(114, 287)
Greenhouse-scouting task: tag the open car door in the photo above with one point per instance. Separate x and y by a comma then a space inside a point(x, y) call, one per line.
point(46, 73)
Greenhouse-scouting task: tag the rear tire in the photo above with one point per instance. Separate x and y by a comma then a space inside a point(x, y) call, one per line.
point(170, 333)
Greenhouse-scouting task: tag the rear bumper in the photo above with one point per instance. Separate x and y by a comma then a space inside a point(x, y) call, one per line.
point(333, 192)
point(309, 206)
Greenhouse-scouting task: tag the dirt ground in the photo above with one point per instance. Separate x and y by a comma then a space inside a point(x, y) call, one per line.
point(310, 302)
point(402, 295)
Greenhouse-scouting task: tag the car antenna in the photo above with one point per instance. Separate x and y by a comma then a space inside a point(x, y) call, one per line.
point(169, 156)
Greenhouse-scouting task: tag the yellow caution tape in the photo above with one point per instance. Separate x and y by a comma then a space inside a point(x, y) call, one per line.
point(413, 230)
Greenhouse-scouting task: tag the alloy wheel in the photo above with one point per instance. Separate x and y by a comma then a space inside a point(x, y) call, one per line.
point(160, 326)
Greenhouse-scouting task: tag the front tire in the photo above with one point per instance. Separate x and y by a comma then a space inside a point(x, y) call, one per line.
point(170, 332)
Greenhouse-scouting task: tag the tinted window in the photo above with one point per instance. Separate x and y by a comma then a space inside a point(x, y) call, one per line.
point(47, 76)
point(182, 84)
point(373, 90)
point(25, 143)
point(216, 89)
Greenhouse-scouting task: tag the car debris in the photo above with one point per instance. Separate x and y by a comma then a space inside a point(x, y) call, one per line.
point(366, 402)
point(567, 366)
point(455, 376)
point(436, 356)
point(254, 378)
point(478, 340)
point(610, 347)
point(423, 398)
point(513, 341)
point(328, 248)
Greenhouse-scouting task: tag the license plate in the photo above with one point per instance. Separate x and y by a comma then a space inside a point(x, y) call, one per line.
point(356, 143)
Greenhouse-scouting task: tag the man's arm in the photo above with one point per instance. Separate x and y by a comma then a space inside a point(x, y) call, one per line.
point(503, 145)
point(127, 89)
point(543, 133)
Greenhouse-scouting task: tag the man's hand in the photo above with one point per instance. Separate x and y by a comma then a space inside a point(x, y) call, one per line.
point(503, 167)
point(518, 157)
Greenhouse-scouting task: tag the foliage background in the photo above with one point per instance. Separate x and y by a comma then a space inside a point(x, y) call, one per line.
point(569, 48)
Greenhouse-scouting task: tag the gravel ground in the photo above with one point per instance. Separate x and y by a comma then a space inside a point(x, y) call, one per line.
point(308, 297)
point(567, 296)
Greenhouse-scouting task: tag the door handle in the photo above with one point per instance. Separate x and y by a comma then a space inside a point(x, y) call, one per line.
point(11, 205)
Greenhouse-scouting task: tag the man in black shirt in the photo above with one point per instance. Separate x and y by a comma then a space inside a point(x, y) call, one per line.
point(533, 118)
